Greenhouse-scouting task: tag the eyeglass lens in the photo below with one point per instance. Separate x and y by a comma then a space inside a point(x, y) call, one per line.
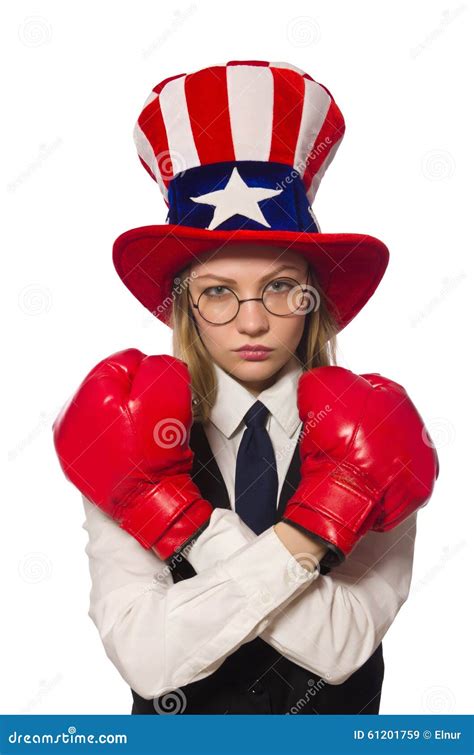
point(282, 297)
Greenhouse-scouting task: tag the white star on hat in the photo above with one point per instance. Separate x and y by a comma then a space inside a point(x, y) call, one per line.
point(236, 199)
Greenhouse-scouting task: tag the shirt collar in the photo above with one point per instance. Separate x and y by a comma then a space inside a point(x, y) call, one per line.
point(233, 400)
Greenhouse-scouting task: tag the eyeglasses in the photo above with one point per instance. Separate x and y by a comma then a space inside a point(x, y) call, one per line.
point(281, 297)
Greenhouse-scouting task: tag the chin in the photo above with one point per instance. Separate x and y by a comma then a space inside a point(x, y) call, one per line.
point(256, 370)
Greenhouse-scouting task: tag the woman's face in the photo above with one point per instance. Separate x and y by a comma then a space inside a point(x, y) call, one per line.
point(246, 270)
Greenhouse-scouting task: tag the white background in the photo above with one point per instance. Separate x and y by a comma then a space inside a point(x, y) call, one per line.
point(75, 78)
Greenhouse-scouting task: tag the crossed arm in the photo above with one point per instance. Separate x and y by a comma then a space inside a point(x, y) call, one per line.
point(161, 635)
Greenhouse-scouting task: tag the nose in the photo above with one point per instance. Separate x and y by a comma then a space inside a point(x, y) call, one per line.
point(252, 318)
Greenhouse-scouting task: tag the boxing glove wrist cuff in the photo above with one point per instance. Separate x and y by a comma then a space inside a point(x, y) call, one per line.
point(336, 503)
point(184, 531)
point(165, 514)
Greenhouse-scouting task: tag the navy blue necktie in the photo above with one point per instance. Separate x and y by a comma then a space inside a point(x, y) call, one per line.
point(256, 478)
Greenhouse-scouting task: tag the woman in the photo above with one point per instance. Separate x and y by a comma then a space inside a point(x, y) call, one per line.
point(278, 491)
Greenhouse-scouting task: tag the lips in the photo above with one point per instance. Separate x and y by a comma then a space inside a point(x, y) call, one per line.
point(258, 347)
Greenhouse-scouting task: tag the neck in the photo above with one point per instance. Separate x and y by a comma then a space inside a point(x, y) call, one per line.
point(256, 387)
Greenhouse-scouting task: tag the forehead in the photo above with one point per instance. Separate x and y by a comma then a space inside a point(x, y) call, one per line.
point(236, 261)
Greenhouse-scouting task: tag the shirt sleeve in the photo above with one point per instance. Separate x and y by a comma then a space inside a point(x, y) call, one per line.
point(162, 635)
point(336, 625)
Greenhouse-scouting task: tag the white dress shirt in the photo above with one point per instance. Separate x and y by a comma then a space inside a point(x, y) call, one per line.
point(161, 635)
point(226, 428)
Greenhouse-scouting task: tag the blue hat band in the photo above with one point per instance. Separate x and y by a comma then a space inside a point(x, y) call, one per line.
point(242, 195)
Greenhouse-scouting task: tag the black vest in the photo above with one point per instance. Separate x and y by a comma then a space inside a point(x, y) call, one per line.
point(256, 678)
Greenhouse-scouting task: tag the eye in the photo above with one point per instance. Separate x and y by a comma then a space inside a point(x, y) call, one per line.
point(219, 289)
point(280, 285)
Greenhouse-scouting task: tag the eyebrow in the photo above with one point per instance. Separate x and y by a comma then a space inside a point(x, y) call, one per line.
point(230, 280)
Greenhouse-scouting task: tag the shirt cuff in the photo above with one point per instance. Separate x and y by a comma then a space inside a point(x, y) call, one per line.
point(267, 573)
point(225, 534)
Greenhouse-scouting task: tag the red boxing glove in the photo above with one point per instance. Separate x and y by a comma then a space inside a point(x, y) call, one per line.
point(368, 461)
point(123, 441)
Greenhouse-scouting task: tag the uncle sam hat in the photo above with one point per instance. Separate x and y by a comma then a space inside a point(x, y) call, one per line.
point(239, 151)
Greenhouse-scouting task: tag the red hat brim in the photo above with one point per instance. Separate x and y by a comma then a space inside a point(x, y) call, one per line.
point(348, 267)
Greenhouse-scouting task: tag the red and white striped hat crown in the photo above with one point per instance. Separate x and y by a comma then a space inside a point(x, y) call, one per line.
point(239, 151)
point(245, 110)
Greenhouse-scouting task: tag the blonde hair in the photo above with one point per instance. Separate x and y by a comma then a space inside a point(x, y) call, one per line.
point(317, 347)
